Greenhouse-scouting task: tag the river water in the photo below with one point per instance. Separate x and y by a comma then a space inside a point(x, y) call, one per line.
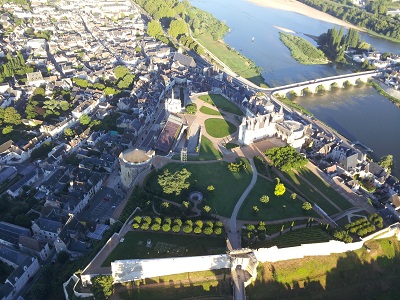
point(359, 113)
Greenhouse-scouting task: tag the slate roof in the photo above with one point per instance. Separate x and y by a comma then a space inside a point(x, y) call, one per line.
point(11, 233)
point(187, 61)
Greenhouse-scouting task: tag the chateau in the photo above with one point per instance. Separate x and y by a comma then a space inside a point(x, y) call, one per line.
point(270, 123)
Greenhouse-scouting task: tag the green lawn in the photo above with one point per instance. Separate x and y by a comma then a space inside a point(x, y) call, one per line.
point(208, 288)
point(233, 59)
point(310, 194)
point(203, 175)
point(209, 111)
point(273, 210)
point(352, 275)
point(219, 128)
point(134, 246)
point(221, 102)
point(207, 152)
point(327, 190)
point(297, 237)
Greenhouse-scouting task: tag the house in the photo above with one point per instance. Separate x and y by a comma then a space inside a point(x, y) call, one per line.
point(345, 156)
point(25, 267)
point(7, 173)
point(71, 238)
point(34, 247)
point(16, 189)
point(10, 233)
point(45, 229)
point(35, 79)
point(184, 60)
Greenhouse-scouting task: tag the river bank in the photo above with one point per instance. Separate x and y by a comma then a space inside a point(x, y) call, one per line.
point(300, 8)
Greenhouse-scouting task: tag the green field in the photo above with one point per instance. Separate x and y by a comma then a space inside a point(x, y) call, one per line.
point(219, 128)
point(297, 237)
point(203, 175)
point(274, 209)
point(233, 59)
point(310, 194)
point(352, 275)
point(164, 245)
point(196, 285)
point(222, 103)
point(209, 111)
point(207, 151)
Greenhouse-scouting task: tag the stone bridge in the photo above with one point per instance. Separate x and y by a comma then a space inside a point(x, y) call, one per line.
point(323, 83)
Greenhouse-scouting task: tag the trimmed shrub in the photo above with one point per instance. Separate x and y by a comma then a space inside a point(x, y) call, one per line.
point(176, 228)
point(197, 230)
point(166, 227)
point(208, 230)
point(155, 227)
point(187, 229)
point(218, 230)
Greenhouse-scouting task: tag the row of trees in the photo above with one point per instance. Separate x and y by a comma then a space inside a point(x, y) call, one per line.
point(382, 24)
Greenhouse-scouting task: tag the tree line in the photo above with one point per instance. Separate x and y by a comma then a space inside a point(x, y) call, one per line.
point(379, 23)
point(14, 66)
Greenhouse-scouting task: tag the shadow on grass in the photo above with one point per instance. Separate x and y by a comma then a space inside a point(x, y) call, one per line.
point(351, 278)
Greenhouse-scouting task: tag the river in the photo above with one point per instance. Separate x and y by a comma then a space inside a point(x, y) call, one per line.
point(359, 113)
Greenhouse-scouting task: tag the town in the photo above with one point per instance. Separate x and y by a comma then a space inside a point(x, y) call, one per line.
point(93, 109)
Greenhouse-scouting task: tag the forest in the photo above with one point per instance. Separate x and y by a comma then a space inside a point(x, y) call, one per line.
point(375, 21)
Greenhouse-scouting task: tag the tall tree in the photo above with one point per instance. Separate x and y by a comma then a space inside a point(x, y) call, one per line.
point(174, 183)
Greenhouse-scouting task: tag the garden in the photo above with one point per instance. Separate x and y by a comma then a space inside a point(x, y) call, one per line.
point(202, 176)
point(222, 103)
point(277, 207)
point(164, 244)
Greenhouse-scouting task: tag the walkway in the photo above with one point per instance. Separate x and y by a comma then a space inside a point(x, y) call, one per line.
point(233, 233)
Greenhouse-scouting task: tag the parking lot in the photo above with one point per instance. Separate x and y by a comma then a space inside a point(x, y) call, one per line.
point(102, 205)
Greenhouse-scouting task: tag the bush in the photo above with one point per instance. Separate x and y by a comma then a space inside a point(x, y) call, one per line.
point(306, 206)
point(187, 229)
point(135, 225)
point(176, 228)
point(157, 220)
point(208, 230)
point(137, 219)
point(147, 219)
point(199, 223)
point(155, 227)
point(218, 224)
point(189, 222)
point(197, 230)
point(168, 221)
point(145, 226)
point(218, 230)
point(210, 224)
point(178, 222)
point(166, 227)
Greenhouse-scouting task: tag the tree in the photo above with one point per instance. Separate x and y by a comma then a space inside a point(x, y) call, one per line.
point(165, 205)
point(210, 188)
point(293, 196)
point(11, 116)
point(255, 209)
point(280, 189)
point(286, 158)
point(197, 230)
point(156, 227)
point(177, 28)
point(69, 132)
point(187, 229)
point(306, 206)
point(191, 108)
point(84, 119)
point(174, 183)
point(154, 29)
point(208, 230)
point(102, 286)
point(6, 130)
point(387, 162)
point(62, 257)
point(264, 199)
point(109, 91)
point(121, 71)
point(218, 231)
point(166, 227)
point(207, 209)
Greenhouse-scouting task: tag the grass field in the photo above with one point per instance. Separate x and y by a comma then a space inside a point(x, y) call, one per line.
point(328, 191)
point(351, 275)
point(201, 285)
point(233, 59)
point(310, 194)
point(222, 103)
point(274, 209)
point(203, 175)
point(209, 111)
point(297, 237)
point(219, 128)
point(134, 246)
point(207, 151)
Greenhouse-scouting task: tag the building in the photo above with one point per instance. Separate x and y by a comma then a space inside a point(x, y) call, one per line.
point(262, 126)
point(132, 162)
